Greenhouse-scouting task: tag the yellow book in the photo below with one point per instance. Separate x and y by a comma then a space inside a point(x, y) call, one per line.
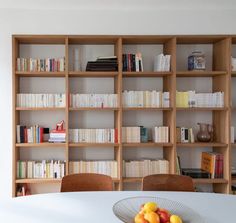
point(208, 163)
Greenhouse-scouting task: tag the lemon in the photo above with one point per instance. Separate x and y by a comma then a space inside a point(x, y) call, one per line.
point(150, 206)
point(175, 219)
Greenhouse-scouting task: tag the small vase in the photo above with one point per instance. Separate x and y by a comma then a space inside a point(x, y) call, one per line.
point(203, 135)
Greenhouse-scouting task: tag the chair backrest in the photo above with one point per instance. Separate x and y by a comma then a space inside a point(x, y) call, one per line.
point(86, 182)
point(167, 182)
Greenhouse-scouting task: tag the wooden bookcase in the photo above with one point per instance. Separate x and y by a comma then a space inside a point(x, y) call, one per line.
point(219, 74)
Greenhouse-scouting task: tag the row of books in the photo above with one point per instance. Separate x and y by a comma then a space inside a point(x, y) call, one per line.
point(213, 163)
point(184, 135)
point(146, 99)
point(132, 62)
point(41, 100)
point(93, 135)
point(33, 134)
point(192, 99)
point(40, 169)
point(40, 65)
point(162, 62)
point(142, 168)
point(232, 134)
point(160, 134)
point(102, 167)
point(93, 100)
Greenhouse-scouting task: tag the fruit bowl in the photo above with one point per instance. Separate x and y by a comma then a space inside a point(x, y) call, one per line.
point(127, 209)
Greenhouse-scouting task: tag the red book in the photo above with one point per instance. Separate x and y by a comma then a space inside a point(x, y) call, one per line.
point(41, 134)
point(25, 136)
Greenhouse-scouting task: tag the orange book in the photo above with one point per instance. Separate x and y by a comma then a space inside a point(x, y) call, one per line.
point(208, 163)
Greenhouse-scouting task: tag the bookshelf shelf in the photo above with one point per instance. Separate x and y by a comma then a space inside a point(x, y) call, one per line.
point(132, 180)
point(199, 144)
point(210, 181)
point(39, 74)
point(201, 109)
point(40, 109)
point(93, 109)
point(149, 144)
point(93, 74)
point(145, 109)
point(147, 74)
point(41, 145)
point(200, 73)
point(233, 180)
point(37, 181)
point(84, 82)
point(93, 144)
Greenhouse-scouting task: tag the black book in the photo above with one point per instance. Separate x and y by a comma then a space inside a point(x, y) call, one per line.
point(22, 134)
point(196, 173)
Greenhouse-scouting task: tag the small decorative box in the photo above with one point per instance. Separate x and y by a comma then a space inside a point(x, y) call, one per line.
point(196, 61)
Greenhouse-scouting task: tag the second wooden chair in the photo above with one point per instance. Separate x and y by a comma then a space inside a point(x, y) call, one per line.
point(167, 182)
point(86, 182)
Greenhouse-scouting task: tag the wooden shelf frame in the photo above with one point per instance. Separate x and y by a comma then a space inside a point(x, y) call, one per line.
point(221, 78)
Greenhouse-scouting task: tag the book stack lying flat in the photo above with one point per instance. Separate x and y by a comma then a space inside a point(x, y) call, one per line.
point(196, 173)
point(103, 64)
point(57, 136)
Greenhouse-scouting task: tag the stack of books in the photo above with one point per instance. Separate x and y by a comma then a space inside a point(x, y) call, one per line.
point(57, 136)
point(103, 64)
point(196, 173)
point(132, 62)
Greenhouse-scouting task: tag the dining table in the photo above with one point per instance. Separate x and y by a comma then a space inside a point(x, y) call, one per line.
point(97, 207)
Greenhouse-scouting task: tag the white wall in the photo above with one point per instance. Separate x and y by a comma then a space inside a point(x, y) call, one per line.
point(96, 17)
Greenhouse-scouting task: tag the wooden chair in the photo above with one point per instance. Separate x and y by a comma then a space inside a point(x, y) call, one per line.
point(167, 182)
point(86, 182)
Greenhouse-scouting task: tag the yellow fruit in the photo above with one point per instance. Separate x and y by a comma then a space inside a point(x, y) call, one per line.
point(175, 219)
point(150, 206)
point(152, 217)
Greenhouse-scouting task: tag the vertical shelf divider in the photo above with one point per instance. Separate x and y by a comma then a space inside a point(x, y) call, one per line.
point(221, 119)
point(169, 117)
point(67, 93)
point(118, 113)
point(15, 113)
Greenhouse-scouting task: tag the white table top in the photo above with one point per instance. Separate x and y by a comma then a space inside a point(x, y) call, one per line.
point(96, 207)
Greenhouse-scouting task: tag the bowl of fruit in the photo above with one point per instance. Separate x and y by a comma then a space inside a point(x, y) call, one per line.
point(154, 210)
